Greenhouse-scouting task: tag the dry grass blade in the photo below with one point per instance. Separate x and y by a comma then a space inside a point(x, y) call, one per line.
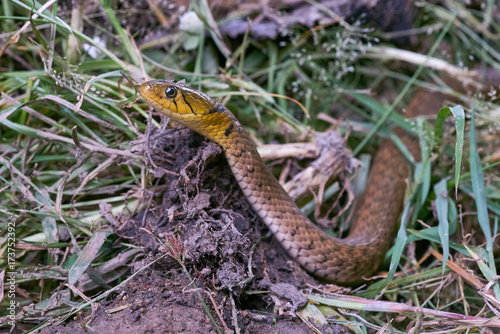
point(446, 318)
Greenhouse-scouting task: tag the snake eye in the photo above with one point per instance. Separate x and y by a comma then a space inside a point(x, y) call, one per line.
point(171, 92)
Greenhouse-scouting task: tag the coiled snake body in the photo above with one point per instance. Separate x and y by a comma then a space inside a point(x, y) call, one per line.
point(342, 261)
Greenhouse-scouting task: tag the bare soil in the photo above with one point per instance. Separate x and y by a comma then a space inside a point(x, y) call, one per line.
point(196, 203)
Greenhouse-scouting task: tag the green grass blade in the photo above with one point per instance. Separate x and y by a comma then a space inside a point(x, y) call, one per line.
point(423, 169)
point(478, 186)
point(478, 190)
point(458, 112)
point(122, 34)
point(441, 191)
point(88, 255)
point(397, 252)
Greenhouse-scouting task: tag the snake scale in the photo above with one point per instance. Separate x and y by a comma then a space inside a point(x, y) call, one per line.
point(343, 261)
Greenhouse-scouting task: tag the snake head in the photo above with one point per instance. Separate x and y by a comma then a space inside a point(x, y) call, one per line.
point(193, 109)
point(176, 100)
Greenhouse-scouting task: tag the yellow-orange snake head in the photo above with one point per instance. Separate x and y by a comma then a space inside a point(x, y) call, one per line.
point(191, 108)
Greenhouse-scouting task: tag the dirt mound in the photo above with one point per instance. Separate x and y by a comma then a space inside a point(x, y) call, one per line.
point(198, 214)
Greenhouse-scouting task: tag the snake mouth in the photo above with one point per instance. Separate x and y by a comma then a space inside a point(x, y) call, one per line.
point(144, 89)
point(151, 92)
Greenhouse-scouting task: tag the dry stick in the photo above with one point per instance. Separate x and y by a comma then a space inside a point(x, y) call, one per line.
point(278, 151)
point(419, 59)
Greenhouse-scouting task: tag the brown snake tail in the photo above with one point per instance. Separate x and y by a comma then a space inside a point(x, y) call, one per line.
point(342, 261)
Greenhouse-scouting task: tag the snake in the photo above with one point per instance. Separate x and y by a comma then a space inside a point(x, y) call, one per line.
point(344, 261)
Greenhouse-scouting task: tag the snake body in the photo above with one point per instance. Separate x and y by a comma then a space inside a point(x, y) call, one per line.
point(343, 261)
